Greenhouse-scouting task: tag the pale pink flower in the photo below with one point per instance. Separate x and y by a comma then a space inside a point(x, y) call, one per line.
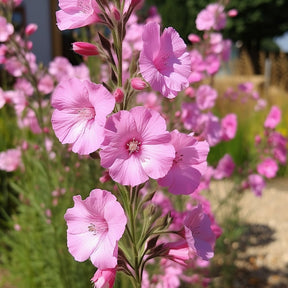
point(80, 118)
point(198, 66)
point(268, 168)
point(46, 84)
point(273, 118)
point(77, 13)
point(224, 168)
point(212, 17)
point(212, 63)
point(104, 278)
point(193, 38)
point(256, 183)
point(205, 97)
point(198, 233)
point(6, 29)
point(95, 226)
point(246, 87)
point(232, 13)
point(149, 100)
point(164, 62)
point(229, 126)
point(24, 85)
point(136, 146)
point(189, 164)
point(60, 68)
point(10, 160)
point(279, 146)
point(14, 66)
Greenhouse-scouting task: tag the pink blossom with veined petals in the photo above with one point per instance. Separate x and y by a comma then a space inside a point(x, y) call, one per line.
point(6, 29)
point(198, 233)
point(164, 62)
point(188, 166)
point(268, 168)
point(273, 118)
point(136, 146)
point(104, 278)
point(77, 13)
point(80, 114)
point(95, 226)
point(10, 160)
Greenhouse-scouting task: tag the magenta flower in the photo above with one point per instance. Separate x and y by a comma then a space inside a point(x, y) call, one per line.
point(268, 168)
point(136, 146)
point(164, 62)
point(256, 183)
point(77, 13)
point(80, 118)
point(95, 226)
point(188, 166)
point(198, 233)
point(273, 118)
point(229, 127)
point(224, 168)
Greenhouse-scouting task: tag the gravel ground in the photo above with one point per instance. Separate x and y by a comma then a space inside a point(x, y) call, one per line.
point(262, 253)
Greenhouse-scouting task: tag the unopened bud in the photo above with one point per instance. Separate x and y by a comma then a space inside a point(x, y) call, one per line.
point(116, 13)
point(85, 49)
point(119, 95)
point(232, 13)
point(138, 84)
point(193, 38)
point(30, 29)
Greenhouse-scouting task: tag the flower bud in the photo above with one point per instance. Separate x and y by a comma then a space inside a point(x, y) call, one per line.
point(138, 84)
point(116, 13)
point(31, 29)
point(85, 49)
point(232, 13)
point(119, 95)
point(193, 38)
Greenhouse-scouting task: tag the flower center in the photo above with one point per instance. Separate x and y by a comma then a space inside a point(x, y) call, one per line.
point(100, 227)
point(87, 113)
point(178, 158)
point(133, 146)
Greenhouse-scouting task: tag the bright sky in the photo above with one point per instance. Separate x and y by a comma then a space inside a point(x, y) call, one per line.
point(282, 42)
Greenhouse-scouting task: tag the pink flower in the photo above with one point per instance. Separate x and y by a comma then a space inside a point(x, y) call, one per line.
point(95, 226)
point(273, 118)
point(229, 127)
point(164, 62)
point(136, 146)
point(256, 183)
point(212, 17)
point(224, 168)
point(205, 97)
point(80, 118)
point(198, 233)
point(104, 278)
point(6, 29)
point(188, 166)
point(10, 160)
point(77, 13)
point(193, 38)
point(46, 84)
point(198, 66)
point(232, 13)
point(268, 168)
